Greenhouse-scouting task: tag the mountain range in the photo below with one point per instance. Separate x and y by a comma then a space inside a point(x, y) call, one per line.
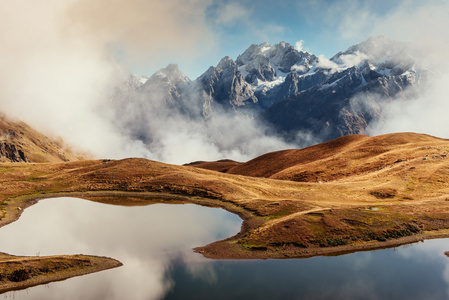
point(288, 90)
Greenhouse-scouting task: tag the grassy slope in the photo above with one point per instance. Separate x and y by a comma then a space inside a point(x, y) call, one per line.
point(37, 147)
point(221, 165)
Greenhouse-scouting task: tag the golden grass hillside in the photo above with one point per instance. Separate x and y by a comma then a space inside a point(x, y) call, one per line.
point(352, 193)
point(223, 165)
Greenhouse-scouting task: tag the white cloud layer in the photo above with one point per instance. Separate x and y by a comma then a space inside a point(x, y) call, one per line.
point(423, 26)
point(299, 45)
point(327, 64)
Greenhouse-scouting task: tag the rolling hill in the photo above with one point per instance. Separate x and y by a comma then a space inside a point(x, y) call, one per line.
point(336, 159)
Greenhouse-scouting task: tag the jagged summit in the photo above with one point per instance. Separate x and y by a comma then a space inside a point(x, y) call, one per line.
point(225, 63)
point(266, 62)
point(170, 73)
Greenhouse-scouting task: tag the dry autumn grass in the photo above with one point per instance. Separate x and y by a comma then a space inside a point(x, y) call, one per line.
point(356, 192)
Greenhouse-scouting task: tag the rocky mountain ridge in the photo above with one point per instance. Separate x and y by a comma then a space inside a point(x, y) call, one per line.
point(292, 91)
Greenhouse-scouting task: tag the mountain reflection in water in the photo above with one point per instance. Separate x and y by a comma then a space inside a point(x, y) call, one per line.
point(154, 243)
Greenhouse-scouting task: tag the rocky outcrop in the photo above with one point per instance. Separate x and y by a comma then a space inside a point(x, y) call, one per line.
point(226, 85)
point(9, 152)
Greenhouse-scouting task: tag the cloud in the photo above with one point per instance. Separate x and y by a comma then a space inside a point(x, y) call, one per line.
point(422, 113)
point(230, 13)
point(340, 24)
point(352, 59)
point(176, 132)
point(422, 26)
point(327, 64)
point(55, 81)
point(145, 30)
point(61, 60)
point(242, 20)
point(298, 45)
point(298, 68)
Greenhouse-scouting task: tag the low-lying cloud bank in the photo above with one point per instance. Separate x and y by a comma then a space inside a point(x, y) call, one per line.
point(423, 26)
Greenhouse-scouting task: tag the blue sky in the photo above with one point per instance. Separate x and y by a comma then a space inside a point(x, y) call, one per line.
point(324, 26)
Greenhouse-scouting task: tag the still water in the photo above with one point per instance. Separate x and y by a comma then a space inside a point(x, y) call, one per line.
point(154, 243)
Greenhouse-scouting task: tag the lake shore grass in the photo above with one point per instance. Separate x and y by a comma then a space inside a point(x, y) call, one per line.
point(232, 247)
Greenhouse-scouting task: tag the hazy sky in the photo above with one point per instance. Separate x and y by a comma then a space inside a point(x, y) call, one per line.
point(228, 27)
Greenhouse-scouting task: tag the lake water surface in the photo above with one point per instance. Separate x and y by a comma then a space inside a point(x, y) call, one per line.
point(154, 243)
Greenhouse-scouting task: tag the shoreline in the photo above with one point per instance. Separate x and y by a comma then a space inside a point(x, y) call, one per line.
point(76, 265)
point(229, 248)
point(222, 250)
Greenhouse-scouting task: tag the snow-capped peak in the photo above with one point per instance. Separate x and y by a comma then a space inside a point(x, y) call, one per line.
point(266, 62)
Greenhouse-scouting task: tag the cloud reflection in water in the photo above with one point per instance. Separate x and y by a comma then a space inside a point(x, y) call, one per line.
point(146, 239)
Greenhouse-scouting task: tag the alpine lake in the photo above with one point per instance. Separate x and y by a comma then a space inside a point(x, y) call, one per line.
point(155, 242)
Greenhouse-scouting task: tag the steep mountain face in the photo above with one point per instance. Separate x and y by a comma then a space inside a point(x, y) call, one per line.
point(292, 91)
point(226, 85)
point(21, 143)
point(350, 92)
point(258, 78)
point(269, 70)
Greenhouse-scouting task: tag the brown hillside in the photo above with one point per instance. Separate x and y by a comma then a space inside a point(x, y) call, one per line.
point(343, 157)
point(271, 163)
point(220, 166)
point(21, 143)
